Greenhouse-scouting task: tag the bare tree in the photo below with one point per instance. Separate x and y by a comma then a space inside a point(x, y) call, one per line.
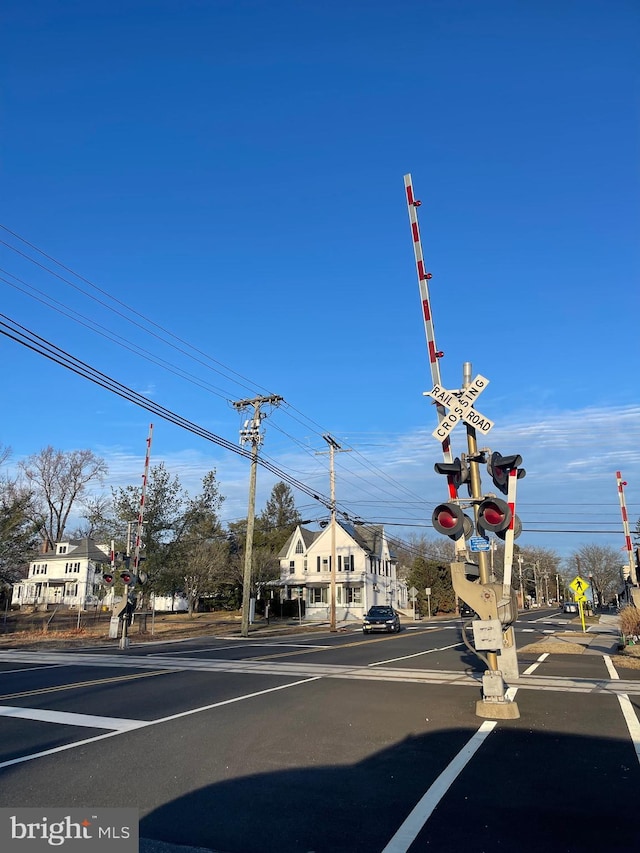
point(98, 521)
point(602, 566)
point(59, 480)
point(205, 568)
point(18, 537)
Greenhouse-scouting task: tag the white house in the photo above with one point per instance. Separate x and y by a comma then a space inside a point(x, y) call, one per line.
point(365, 571)
point(69, 574)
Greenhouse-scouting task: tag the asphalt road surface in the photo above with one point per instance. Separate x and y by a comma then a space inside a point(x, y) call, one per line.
point(329, 742)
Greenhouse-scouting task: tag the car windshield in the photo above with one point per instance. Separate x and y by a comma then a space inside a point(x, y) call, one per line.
point(380, 611)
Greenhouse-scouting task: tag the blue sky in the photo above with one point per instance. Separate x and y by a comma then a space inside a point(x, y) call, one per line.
point(233, 171)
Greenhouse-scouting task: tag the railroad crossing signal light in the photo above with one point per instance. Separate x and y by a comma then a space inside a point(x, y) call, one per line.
point(449, 520)
point(458, 472)
point(494, 515)
point(499, 466)
point(108, 579)
point(127, 578)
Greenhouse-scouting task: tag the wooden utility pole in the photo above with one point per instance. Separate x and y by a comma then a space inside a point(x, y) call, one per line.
point(250, 434)
point(333, 446)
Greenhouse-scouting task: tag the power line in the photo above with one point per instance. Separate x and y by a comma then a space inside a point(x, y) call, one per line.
point(30, 340)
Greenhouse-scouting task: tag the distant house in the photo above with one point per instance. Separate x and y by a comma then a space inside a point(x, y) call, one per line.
point(365, 571)
point(69, 574)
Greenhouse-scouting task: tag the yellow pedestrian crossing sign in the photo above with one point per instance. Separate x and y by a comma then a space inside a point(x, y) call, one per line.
point(580, 597)
point(579, 586)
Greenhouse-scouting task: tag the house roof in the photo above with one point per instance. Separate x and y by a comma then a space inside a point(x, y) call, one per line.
point(369, 537)
point(78, 549)
point(308, 536)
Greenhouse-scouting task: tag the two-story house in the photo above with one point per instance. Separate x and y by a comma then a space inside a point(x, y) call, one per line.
point(68, 574)
point(365, 571)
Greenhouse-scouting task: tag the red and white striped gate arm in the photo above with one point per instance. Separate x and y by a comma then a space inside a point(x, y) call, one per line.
point(625, 527)
point(143, 496)
point(509, 536)
point(423, 279)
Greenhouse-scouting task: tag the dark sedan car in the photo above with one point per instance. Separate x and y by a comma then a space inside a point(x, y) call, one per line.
point(381, 618)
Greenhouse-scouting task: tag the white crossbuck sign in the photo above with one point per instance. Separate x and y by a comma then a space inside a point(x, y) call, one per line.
point(460, 405)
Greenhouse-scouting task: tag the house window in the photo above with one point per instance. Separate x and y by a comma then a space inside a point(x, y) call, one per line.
point(318, 595)
point(353, 595)
point(348, 563)
point(305, 565)
point(62, 549)
point(292, 567)
point(299, 547)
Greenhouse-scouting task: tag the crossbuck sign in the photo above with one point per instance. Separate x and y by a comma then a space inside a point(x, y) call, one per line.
point(460, 405)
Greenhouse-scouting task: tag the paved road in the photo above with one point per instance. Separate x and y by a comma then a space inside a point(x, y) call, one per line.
point(327, 742)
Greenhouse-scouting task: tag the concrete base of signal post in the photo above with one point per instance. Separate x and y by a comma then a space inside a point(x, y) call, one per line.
point(494, 704)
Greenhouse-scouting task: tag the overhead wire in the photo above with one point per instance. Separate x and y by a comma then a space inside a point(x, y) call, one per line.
point(20, 334)
point(229, 374)
point(139, 351)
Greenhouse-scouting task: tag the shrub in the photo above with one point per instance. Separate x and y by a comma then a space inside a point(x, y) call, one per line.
point(630, 622)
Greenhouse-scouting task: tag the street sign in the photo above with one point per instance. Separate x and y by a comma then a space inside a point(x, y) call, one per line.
point(460, 405)
point(580, 597)
point(413, 592)
point(579, 586)
point(479, 543)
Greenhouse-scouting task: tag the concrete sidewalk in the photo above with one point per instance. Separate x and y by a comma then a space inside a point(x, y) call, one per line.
point(607, 636)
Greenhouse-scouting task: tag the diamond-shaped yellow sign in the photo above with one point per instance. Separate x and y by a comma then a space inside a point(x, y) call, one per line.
point(579, 585)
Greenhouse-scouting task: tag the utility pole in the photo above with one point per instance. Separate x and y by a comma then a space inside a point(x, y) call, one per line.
point(333, 446)
point(128, 595)
point(250, 434)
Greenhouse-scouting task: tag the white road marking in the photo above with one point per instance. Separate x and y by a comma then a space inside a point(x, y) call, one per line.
point(69, 719)
point(414, 823)
point(536, 664)
point(215, 649)
point(408, 832)
point(44, 715)
point(627, 709)
point(416, 655)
